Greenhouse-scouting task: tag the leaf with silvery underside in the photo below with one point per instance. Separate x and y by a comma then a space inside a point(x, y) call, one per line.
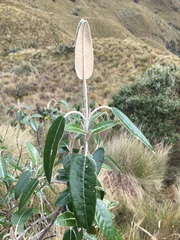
point(84, 59)
point(102, 126)
point(54, 136)
point(82, 183)
point(131, 127)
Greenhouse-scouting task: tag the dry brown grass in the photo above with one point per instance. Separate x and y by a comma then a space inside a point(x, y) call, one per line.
point(147, 210)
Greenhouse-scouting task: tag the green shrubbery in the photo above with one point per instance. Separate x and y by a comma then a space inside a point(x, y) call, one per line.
point(153, 103)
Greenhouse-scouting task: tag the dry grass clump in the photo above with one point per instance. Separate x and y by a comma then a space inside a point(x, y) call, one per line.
point(147, 209)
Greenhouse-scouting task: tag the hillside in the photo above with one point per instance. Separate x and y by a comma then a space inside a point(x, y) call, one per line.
point(37, 46)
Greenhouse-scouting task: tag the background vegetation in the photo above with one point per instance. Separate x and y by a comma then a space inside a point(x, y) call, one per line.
point(134, 42)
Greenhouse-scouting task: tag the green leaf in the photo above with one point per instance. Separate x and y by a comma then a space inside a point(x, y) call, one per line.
point(27, 106)
point(27, 192)
point(71, 127)
point(65, 103)
point(83, 189)
point(33, 152)
point(98, 156)
point(66, 219)
point(21, 217)
point(89, 237)
point(33, 125)
point(37, 115)
point(3, 169)
point(73, 234)
point(12, 163)
point(105, 166)
point(19, 115)
point(3, 222)
point(22, 183)
point(64, 198)
point(102, 126)
point(51, 145)
point(131, 127)
point(62, 176)
point(114, 163)
point(67, 162)
point(104, 221)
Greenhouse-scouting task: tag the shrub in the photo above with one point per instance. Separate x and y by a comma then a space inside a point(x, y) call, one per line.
point(153, 102)
point(24, 68)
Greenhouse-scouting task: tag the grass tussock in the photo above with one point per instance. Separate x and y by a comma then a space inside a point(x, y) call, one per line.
point(147, 209)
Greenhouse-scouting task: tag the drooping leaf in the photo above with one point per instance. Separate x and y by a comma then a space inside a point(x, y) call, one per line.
point(66, 219)
point(65, 103)
point(73, 234)
point(104, 221)
point(21, 217)
point(51, 145)
point(33, 152)
point(98, 156)
point(113, 163)
point(12, 163)
point(3, 169)
point(131, 127)
point(84, 59)
point(27, 192)
point(102, 126)
point(64, 198)
point(71, 127)
point(22, 183)
point(83, 189)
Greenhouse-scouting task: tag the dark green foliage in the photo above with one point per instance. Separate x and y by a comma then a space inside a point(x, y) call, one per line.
point(154, 103)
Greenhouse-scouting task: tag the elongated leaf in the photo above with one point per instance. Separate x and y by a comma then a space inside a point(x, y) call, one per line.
point(62, 176)
point(71, 127)
point(114, 163)
point(12, 163)
point(84, 60)
point(100, 127)
point(3, 170)
point(73, 234)
point(33, 124)
point(98, 156)
point(33, 152)
point(22, 183)
point(27, 192)
point(83, 189)
point(131, 127)
point(89, 237)
point(51, 145)
point(66, 219)
point(67, 162)
point(65, 103)
point(63, 199)
point(21, 217)
point(104, 221)
point(3, 222)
